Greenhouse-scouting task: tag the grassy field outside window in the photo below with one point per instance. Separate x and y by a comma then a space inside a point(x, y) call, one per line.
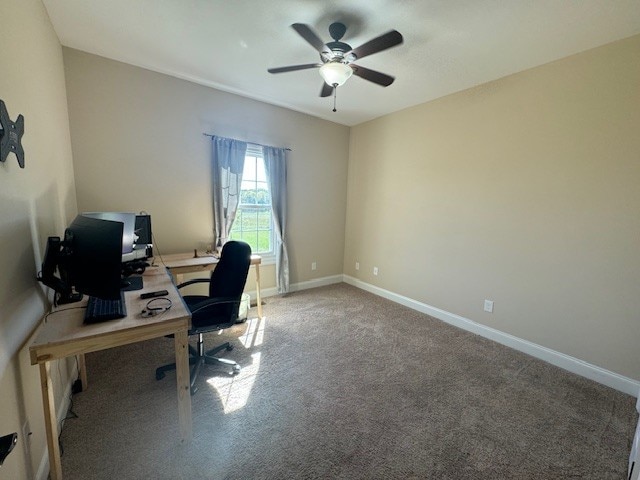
point(254, 223)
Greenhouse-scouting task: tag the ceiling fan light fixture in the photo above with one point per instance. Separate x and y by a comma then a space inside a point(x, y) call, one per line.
point(335, 73)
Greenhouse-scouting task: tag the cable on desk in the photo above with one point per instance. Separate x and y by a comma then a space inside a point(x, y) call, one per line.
point(156, 306)
point(46, 317)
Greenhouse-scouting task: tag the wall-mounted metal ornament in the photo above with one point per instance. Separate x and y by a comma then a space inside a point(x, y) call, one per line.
point(11, 136)
point(7, 443)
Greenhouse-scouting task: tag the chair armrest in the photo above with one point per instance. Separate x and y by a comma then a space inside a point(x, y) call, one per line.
point(213, 301)
point(191, 282)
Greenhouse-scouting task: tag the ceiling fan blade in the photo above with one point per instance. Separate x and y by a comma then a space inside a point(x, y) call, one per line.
point(372, 75)
point(378, 44)
point(327, 90)
point(293, 68)
point(309, 35)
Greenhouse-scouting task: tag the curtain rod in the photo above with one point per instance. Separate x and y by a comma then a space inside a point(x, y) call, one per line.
point(252, 143)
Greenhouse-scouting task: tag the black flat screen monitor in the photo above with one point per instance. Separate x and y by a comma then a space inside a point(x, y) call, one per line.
point(143, 230)
point(93, 256)
point(129, 221)
point(87, 261)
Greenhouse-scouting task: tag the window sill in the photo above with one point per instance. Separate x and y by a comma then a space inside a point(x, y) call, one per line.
point(267, 258)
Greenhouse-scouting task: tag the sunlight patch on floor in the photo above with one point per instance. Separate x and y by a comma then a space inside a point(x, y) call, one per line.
point(234, 391)
point(254, 334)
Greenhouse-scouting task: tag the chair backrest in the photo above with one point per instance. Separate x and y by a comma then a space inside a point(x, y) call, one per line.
point(227, 281)
point(230, 275)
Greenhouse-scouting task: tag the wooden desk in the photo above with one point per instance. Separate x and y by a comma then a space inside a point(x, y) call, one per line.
point(180, 263)
point(63, 334)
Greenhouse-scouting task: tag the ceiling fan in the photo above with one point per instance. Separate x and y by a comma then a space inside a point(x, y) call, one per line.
point(337, 57)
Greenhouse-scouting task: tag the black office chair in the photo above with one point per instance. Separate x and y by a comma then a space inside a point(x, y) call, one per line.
point(217, 311)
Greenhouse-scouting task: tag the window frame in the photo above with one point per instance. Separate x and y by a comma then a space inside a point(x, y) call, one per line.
point(255, 152)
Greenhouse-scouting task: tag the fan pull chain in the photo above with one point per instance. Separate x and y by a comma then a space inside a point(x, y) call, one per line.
point(335, 94)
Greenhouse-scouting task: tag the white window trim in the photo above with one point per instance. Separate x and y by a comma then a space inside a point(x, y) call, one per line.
point(268, 258)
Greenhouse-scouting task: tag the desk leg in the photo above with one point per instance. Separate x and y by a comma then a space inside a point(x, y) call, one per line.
point(182, 378)
point(176, 278)
point(258, 299)
point(82, 371)
point(50, 421)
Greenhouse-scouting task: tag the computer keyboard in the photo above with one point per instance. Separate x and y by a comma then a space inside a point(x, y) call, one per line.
point(99, 310)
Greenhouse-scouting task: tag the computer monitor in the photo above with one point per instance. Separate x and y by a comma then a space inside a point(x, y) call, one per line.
point(87, 261)
point(129, 225)
point(143, 230)
point(95, 261)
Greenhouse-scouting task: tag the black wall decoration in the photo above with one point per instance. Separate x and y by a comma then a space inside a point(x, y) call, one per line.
point(6, 445)
point(11, 136)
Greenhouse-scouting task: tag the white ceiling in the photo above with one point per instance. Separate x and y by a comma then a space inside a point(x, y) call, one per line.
point(449, 45)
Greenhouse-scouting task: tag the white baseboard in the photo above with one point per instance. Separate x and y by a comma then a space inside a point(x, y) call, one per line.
point(61, 413)
point(294, 287)
point(567, 362)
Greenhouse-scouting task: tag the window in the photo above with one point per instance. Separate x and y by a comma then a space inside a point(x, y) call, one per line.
point(254, 223)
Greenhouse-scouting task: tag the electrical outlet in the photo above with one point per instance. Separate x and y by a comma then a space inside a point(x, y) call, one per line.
point(313, 265)
point(488, 306)
point(375, 270)
point(357, 265)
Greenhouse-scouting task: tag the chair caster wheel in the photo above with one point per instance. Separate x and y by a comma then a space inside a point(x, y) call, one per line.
point(236, 370)
point(229, 348)
point(160, 375)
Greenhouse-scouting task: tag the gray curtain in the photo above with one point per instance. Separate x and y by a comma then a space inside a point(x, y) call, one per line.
point(276, 168)
point(228, 165)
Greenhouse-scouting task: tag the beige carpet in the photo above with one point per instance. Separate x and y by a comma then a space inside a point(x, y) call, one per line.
point(339, 383)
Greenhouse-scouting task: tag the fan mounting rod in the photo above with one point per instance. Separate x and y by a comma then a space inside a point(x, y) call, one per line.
point(337, 49)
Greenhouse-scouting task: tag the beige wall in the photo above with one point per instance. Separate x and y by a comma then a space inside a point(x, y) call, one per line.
point(524, 191)
point(138, 144)
point(35, 202)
